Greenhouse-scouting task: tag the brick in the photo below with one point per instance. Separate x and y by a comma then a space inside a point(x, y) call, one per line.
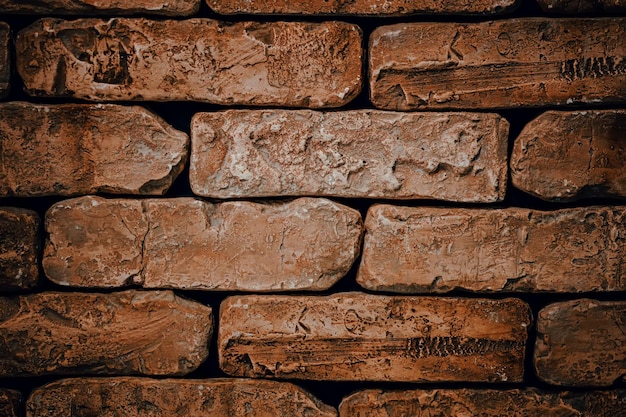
point(19, 248)
point(93, 7)
point(362, 337)
point(130, 397)
point(359, 7)
point(249, 63)
point(581, 343)
point(582, 6)
point(363, 153)
point(10, 403)
point(306, 244)
point(485, 403)
point(427, 249)
point(131, 332)
point(71, 149)
point(5, 59)
point(564, 156)
point(507, 63)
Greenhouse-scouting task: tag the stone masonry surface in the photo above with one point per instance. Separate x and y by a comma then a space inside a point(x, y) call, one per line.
point(582, 6)
point(364, 153)
point(102, 7)
point(10, 403)
point(5, 59)
point(19, 248)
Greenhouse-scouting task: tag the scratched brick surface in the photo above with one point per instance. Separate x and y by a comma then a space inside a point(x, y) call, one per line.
point(134, 397)
point(131, 332)
point(70, 149)
point(524, 62)
point(360, 7)
point(250, 63)
point(306, 244)
point(102, 7)
point(362, 337)
point(5, 59)
point(582, 6)
point(564, 156)
point(19, 248)
point(363, 153)
point(528, 402)
point(10, 403)
point(581, 343)
point(428, 249)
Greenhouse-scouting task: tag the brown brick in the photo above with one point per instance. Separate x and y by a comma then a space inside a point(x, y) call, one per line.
point(581, 343)
point(92, 7)
point(582, 6)
point(71, 149)
point(564, 156)
point(506, 63)
point(362, 337)
point(173, 398)
point(5, 59)
point(131, 332)
point(359, 7)
point(10, 403)
point(484, 403)
point(306, 244)
point(428, 249)
point(19, 248)
point(278, 63)
point(363, 153)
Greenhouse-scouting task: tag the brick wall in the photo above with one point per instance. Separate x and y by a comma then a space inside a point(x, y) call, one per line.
point(315, 208)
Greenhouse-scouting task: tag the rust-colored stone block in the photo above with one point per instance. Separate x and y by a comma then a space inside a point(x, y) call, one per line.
point(19, 248)
point(363, 153)
point(5, 59)
point(564, 156)
point(427, 249)
point(507, 63)
point(582, 6)
point(360, 7)
point(306, 244)
point(362, 337)
point(581, 343)
point(10, 403)
point(484, 403)
point(131, 332)
point(126, 396)
point(93, 7)
point(249, 63)
point(71, 149)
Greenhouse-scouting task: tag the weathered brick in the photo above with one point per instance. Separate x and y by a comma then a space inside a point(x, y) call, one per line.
point(306, 244)
point(92, 7)
point(563, 156)
point(427, 249)
point(507, 63)
point(70, 149)
point(277, 63)
point(484, 403)
point(131, 332)
point(355, 336)
point(10, 403)
point(360, 7)
point(130, 397)
point(364, 153)
point(5, 59)
point(581, 343)
point(19, 248)
point(582, 6)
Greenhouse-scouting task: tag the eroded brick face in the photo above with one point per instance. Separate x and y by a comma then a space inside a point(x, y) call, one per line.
point(5, 59)
point(10, 403)
point(19, 249)
point(102, 7)
point(582, 6)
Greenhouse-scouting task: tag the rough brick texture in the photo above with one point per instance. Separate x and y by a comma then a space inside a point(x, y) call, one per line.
point(306, 244)
point(483, 403)
point(581, 343)
point(71, 149)
point(102, 7)
point(427, 249)
point(276, 64)
point(19, 248)
point(5, 59)
point(135, 397)
point(356, 336)
point(562, 156)
point(360, 7)
point(132, 332)
point(10, 403)
point(582, 6)
point(507, 63)
point(364, 153)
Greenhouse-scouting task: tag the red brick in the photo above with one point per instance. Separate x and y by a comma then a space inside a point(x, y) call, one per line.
point(5, 59)
point(92, 7)
point(19, 248)
point(582, 6)
point(10, 403)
